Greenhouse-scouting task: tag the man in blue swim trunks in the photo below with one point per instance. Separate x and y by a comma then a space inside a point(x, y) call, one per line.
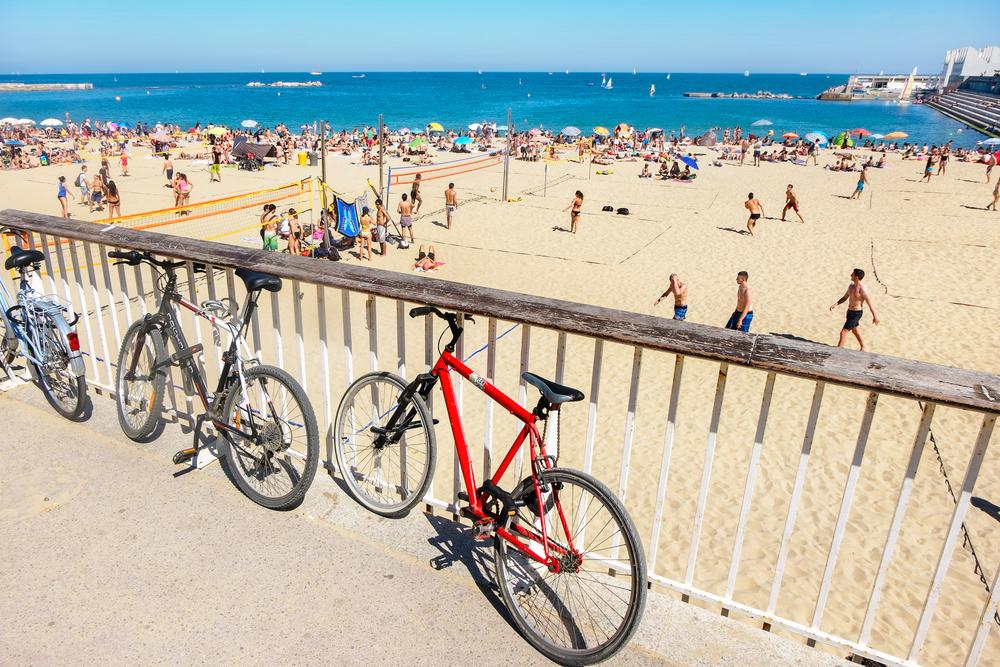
point(856, 297)
point(743, 315)
point(679, 289)
point(862, 181)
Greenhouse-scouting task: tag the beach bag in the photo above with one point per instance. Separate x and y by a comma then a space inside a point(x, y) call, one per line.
point(608, 209)
point(622, 211)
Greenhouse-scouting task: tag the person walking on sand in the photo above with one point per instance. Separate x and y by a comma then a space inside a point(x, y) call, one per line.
point(415, 197)
point(83, 182)
point(928, 169)
point(114, 201)
point(991, 159)
point(756, 209)
point(679, 289)
point(215, 169)
point(62, 194)
point(574, 208)
point(856, 297)
point(123, 160)
point(168, 169)
point(862, 181)
point(450, 203)
point(996, 197)
point(791, 202)
point(743, 315)
point(405, 210)
point(381, 229)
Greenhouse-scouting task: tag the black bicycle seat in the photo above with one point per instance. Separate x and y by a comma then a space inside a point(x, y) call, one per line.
point(20, 258)
point(255, 280)
point(553, 392)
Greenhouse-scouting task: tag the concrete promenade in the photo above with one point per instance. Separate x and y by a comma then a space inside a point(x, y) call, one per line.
point(110, 556)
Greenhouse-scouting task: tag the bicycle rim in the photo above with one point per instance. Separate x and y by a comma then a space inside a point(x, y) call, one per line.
point(63, 389)
point(275, 464)
point(389, 476)
point(590, 608)
point(141, 397)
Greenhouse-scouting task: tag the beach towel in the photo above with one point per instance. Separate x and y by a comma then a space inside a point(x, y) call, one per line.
point(347, 218)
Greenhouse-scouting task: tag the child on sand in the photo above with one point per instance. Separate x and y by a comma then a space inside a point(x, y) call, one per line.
point(856, 296)
point(862, 180)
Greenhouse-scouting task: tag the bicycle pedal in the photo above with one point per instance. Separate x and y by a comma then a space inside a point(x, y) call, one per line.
point(184, 456)
point(482, 530)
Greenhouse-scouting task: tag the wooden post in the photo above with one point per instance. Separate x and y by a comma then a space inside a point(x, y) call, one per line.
point(322, 157)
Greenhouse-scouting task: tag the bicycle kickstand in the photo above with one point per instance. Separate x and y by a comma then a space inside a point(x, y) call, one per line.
point(202, 455)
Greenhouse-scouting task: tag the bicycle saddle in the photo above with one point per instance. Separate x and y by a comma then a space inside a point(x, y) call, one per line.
point(20, 258)
point(257, 281)
point(554, 393)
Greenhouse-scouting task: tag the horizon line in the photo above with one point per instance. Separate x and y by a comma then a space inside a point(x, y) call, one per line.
point(404, 71)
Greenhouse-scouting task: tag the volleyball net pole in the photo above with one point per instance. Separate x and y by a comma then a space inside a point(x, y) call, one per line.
point(506, 156)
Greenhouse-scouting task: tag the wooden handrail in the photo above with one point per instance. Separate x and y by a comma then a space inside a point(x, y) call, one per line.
point(861, 370)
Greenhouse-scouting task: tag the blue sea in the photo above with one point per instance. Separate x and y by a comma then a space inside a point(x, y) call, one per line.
point(456, 99)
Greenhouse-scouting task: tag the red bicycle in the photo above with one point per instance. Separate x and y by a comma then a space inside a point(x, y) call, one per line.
point(568, 560)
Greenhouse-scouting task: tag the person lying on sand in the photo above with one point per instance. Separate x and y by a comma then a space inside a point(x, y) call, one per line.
point(426, 261)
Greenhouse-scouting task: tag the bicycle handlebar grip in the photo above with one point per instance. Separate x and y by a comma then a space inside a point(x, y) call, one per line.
point(422, 310)
point(130, 256)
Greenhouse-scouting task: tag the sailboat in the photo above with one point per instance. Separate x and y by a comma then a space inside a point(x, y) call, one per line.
point(668, 77)
point(633, 70)
point(608, 85)
point(904, 95)
point(316, 73)
point(567, 71)
point(746, 72)
point(479, 71)
point(604, 80)
point(652, 89)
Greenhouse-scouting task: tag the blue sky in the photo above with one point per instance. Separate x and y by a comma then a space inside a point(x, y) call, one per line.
point(60, 36)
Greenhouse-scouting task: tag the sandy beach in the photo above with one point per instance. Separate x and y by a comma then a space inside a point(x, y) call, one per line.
point(932, 256)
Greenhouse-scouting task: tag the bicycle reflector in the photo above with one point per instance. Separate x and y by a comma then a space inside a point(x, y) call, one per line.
point(74, 341)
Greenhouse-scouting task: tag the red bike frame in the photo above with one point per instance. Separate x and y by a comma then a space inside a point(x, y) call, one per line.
point(448, 361)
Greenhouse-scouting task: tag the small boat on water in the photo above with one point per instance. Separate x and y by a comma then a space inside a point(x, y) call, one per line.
point(803, 73)
point(652, 89)
point(316, 73)
point(668, 77)
point(357, 76)
point(609, 85)
point(746, 72)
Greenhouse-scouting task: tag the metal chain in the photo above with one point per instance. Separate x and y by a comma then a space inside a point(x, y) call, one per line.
point(966, 537)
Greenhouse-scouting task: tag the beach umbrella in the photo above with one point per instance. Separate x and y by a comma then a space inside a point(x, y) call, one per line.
point(418, 142)
point(790, 135)
point(860, 132)
point(13, 142)
point(216, 130)
point(475, 127)
point(435, 127)
point(124, 126)
point(112, 126)
point(761, 123)
point(24, 121)
point(161, 136)
point(992, 141)
point(878, 136)
point(462, 141)
point(689, 161)
point(601, 131)
point(816, 138)
point(571, 131)
point(51, 122)
point(896, 135)
point(249, 123)
point(9, 120)
point(654, 130)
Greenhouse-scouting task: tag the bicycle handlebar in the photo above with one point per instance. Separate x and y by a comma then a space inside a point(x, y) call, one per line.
point(134, 258)
point(447, 317)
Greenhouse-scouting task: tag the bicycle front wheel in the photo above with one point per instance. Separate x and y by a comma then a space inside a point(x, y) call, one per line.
point(63, 389)
point(273, 456)
point(386, 458)
point(590, 606)
point(139, 382)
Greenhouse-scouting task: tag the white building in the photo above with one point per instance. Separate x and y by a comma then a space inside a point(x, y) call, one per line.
point(969, 61)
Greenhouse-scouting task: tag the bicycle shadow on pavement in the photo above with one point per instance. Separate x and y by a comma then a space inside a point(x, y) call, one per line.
point(456, 545)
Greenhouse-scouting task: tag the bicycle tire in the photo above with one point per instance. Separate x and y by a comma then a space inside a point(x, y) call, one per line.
point(8, 342)
point(233, 460)
point(149, 409)
point(541, 583)
point(357, 481)
point(76, 387)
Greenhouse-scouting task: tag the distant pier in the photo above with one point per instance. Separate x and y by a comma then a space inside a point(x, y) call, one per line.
point(34, 87)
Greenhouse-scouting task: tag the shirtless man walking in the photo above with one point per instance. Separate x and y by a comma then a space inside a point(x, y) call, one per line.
point(381, 230)
point(996, 197)
point(679, 289)
point(756, 209)
point(415, 194)
point(791, 202)
point(450, 203)
point(405, 210)
point(743, 315)
point(856, 297)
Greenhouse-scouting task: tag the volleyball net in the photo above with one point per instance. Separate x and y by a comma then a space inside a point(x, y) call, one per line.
point(217, 216)
point(402, 176)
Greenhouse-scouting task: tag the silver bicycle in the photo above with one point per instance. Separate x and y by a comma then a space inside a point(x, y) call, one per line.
point(35, 327)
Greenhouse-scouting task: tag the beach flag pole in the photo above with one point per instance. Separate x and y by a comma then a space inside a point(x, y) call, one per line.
point(322, 158)
point(506, 156)
point(381, 152)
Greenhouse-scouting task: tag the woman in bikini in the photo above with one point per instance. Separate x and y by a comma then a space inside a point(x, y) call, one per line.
point(114, 201)
point(294, 233)
point(574, 215)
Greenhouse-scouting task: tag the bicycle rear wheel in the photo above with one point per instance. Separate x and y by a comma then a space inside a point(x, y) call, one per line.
point(276, 464)
point(139, 395)
point(589, 609)
point(64, 391)
point(386, 472)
